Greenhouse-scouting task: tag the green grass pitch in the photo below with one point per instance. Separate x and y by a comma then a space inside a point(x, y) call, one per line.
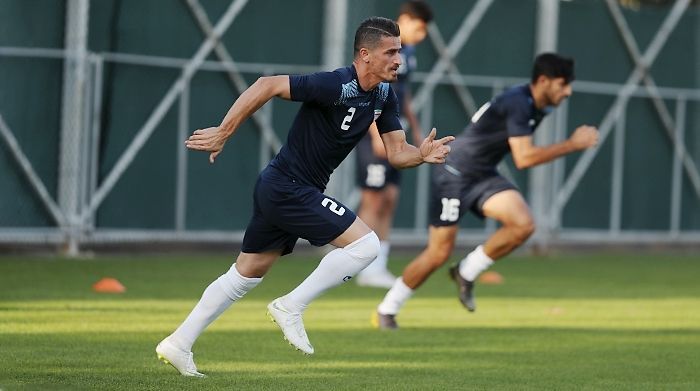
point(568, 322)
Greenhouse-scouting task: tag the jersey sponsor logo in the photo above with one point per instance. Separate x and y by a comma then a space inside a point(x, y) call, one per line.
point(347, 278)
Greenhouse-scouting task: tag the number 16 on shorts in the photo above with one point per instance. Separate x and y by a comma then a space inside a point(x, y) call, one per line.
point(450, 209)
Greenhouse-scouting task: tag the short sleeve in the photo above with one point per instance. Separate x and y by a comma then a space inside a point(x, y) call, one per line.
point(388, 120)
point(322, 87)
point(518, 112)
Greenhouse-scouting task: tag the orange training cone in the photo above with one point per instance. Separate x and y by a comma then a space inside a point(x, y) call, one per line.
point(491, 278)
point(108, 285)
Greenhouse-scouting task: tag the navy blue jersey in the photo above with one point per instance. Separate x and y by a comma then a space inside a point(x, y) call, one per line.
point(335, 115)
point(484, 143)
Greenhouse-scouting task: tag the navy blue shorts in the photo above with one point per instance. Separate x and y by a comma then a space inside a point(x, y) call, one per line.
point(285, 210)
point(453, 195)
point(373, 172)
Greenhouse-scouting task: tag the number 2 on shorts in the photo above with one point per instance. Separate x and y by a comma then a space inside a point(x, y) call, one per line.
point(333, 206)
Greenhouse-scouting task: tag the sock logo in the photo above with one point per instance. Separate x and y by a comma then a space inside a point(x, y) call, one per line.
point(347, 278)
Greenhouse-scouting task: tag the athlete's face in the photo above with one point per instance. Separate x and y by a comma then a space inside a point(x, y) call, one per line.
point(413, 30)
point(556, 90)
point(384, 59)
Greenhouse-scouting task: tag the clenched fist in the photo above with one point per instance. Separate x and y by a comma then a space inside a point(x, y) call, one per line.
point(584, 136)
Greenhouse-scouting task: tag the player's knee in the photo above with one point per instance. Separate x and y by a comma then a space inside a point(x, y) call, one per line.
point(364, 249)
point(441, 255)
point(376, 208)
point(523, 230)
point(391, 198)
point(438, 255)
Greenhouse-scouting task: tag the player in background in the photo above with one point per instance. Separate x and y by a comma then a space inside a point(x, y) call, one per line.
point(338, 108)
point(377, 178)
point(469, 181)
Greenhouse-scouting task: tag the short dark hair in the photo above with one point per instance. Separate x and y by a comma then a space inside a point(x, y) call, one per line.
point(553, 65)
point(372, 30)
point(417, 9)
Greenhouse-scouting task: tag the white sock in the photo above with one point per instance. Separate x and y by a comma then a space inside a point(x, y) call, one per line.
point(218, 296)
point(379, 264)
point(337, 267)
point(395, 298)
point(474, 264)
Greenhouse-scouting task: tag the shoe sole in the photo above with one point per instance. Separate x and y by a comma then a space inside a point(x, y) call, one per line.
point(165, 361)
point(374, 320)
point(272, 318)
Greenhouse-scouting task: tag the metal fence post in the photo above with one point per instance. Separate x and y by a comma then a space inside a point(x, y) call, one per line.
point(70, 172)
point(540, 176)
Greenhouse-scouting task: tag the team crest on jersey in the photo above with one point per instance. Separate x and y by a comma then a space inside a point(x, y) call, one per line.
point(377, 113)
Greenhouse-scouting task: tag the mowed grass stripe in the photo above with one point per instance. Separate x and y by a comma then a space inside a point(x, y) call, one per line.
point(579, 322)
point(333, 314)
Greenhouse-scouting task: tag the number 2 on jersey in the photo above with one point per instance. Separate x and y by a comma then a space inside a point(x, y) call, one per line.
point(346, 121)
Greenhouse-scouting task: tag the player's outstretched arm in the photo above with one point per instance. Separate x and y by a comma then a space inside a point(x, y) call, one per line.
point(377, 143)
point(404, 155)
point(213, 139)
point(526, 154)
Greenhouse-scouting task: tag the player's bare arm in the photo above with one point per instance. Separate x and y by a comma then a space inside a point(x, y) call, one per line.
point(527, 154)
point(377, 143)
point(213, 139)
point(404, 155)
